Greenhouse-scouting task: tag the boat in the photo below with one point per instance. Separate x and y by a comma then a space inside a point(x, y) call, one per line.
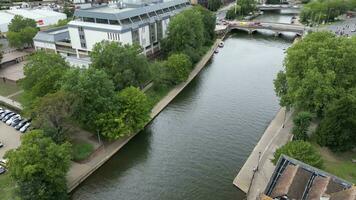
point(221, 44)
point(216, 51)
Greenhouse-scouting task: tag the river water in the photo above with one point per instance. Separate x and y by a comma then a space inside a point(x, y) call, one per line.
point(196, 146)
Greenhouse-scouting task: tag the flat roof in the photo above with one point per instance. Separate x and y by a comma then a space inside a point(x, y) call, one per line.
point(126, 10)
point(5, 18)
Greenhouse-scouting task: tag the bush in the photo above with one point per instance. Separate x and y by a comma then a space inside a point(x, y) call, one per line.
point(81, 150)
point(301, 124)
point(299, 150)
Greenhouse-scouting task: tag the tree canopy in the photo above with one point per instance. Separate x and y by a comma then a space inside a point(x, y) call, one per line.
point(300, 150)
point(337, 130)
point(214, 5)
point(131, 115)
point(317, 70)
point(39, 167)
point(301, 124)
point(124, 64)
point(51, 111)
point(43, 75)
point(93, 92)
point(21, 31)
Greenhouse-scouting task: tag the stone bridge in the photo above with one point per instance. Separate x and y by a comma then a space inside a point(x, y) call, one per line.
point(278, 28)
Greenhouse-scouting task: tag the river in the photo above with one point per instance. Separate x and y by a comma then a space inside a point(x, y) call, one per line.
point(195, 147)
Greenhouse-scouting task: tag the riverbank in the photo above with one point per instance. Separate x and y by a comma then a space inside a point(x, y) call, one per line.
point(80, 171)
point(276, 135)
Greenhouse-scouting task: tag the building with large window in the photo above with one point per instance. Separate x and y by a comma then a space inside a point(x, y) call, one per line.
point(127, 23)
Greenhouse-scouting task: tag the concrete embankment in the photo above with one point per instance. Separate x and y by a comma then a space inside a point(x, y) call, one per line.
point(257, 170)
point(80, 171)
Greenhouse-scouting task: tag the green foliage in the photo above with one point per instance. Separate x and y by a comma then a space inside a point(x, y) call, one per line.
point(301, 124)
point(43, 74)
point(214, 5)
point(50, 112)
point(131, 116)
point(318, 69)
point(300, 150)
point(246, 6)
point(81, 150)
point(209, 20)
point(318, 11)
point(182, 39)
point(337, 128)
point(178, 67)
point(123, 63)
point(93, 92)
point(21, 31)
point(233, 12)
point(39, 167)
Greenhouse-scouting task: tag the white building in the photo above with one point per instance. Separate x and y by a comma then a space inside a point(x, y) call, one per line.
point(43, 17)
point(128, 23)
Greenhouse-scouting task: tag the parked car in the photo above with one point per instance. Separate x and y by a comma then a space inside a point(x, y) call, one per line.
point(2, 170)
point(11, 119)
point(4, 114)
point(3, 162)
point(15, 122)
point(8, 116)
point(25, 127)
point(21, 124)
point(1, 144)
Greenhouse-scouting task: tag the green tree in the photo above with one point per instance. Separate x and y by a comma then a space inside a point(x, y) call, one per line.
point(21, 31)
point(209, 22)
point(124, 64)
point(233, 12)
point(246, 6)
point(214, 5)
point(132, 115)
point(178, 67)
point(51, 111)
point(181, 39)
point(300, 150)
point(93, 92)
point(39, 167)
point(301, 124)
point(43, 75)
point(317, 70)
point(337, 130)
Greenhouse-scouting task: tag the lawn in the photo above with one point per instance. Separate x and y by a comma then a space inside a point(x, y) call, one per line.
point(8, 88)
point(339, 164)
point(81, 150)
point(7, 188)
point(18, 98)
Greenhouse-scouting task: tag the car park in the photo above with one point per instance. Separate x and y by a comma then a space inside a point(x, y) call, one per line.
point(25, 127)
point(3, 162)
point(15, 122)
point(2, 169)
point(4, 114)
point(11, 119)
point(21, 124)
point(8, 116)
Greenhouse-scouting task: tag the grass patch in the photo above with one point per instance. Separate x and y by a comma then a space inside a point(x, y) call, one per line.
point(19, 98)
point(339, 164)
point(156, 94)
point(81, 150)
point(8, 88)
point(7, 187)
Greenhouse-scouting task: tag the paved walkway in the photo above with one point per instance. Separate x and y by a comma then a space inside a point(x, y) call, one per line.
point(11, 102)
point(274, 137)
point(79, 172)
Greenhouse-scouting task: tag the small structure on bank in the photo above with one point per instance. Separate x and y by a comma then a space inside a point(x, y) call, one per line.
point(295, 180)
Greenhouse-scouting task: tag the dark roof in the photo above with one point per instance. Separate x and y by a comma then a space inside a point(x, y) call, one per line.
point(300, 181)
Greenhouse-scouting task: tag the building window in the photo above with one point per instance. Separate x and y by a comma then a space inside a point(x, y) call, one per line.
point(88, 19)
point(114, 22)
point(159, 30)
point(126, 21)
point(152, 14)
point(102, 21)
point(153, 33)
point(135, 36)
point(83, 44)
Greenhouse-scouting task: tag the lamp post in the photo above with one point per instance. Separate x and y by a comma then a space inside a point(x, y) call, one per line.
point(97, 131)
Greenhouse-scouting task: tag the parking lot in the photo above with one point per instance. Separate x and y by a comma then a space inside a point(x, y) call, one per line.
point(9, 137)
